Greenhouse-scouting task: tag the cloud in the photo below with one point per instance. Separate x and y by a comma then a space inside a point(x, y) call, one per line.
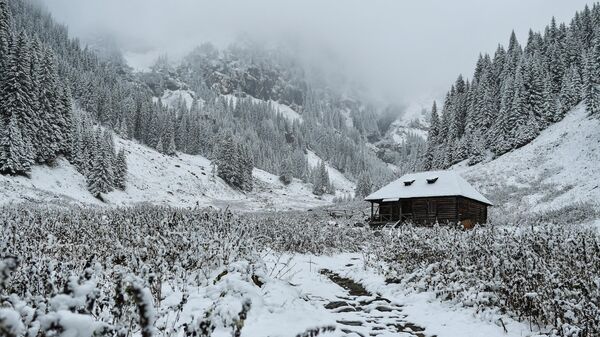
point(402, 50)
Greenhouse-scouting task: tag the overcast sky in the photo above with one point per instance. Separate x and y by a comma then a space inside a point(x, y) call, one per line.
point(403, 50)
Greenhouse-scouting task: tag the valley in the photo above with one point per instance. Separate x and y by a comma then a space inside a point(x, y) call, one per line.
point(161, 180)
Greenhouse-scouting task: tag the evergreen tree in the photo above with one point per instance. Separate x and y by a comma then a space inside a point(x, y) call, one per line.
point(15, 99)
point(121, 170)
point(286, 175)
point(100, 176)
point(570, 94)
point(64, 122)
point(245, 168)
point(321, 184)
point(226, 163)
point(159, 146)
point(592, 93)
point(432, 139)
point(364, 186)
point(477, 148)
point(49, 133)
point(171, 151)
point(16, 153)
point(4, 35)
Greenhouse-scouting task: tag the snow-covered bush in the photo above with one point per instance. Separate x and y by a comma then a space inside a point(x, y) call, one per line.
point(110, 272)
point(546, 274)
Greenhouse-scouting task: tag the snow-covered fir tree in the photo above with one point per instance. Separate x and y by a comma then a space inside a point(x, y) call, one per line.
point(519, 92)
point(364, 186)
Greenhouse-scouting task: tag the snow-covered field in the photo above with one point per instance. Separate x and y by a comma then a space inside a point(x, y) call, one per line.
point(174, 272)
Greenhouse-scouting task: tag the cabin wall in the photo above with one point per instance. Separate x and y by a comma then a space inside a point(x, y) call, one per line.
point(472, 210)
point(428, 211)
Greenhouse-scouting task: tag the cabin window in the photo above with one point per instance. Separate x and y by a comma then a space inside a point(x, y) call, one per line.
point(432, 180)
point(409, 182)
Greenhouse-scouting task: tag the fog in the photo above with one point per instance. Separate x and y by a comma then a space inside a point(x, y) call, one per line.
point(404, 51)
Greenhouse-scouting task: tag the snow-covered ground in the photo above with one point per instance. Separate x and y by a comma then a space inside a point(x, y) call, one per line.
point(184, 180)
point(560, 167)
point(294, 294)
point(371, 314)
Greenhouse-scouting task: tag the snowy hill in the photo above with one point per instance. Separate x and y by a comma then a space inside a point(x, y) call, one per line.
point(342, 185)
point(154, 178)
point(560, 167)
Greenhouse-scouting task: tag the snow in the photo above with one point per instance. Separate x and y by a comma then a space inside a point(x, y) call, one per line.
point(171, 98)
point(276, 308)
point(438, 318)
point(558, 168)
point(183, 180)
point(59, 184)
point(286, 111)
point(73, 325)
point(10, 320)
point(340, 182)
point(448, 183)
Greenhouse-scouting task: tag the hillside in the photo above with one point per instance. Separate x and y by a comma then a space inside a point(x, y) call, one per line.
point(558, 168)
point(184, 180)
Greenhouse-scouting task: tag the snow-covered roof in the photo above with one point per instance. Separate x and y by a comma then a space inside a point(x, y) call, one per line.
point(424, 184)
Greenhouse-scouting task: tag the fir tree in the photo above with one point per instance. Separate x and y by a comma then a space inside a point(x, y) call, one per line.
point(286, 175)
point(171, 150)
point(592, 93)
point(226, 163)
point(64, 122)
point(4, 34)
point(432, 139)
point(15, 99)
point(321, 184)
point(121, 170)
point(159, 145)
point(16, 153)
point(100, 176)
point(570, 94)
point(364, 186)
point(477, 148)
point(49, 132)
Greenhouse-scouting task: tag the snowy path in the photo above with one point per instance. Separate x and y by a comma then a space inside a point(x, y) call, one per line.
point(360, 303)
point(361, 313)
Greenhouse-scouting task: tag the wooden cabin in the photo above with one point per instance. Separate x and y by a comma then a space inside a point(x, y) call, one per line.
point(427, 198)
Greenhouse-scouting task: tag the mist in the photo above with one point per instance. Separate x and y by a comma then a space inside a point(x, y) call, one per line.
point(400, 51)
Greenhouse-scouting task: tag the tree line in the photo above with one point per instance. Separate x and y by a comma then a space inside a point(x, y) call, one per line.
point(518, 92)
point(37, 124)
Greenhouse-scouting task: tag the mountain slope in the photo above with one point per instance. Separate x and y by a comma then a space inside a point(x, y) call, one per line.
point(154, 178)
point(558, 168)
